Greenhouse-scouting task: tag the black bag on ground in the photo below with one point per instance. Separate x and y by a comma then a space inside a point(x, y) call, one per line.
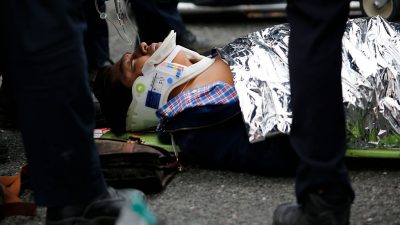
point(132, 164)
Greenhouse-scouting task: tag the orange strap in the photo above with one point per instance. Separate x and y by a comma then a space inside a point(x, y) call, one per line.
point(11, 204)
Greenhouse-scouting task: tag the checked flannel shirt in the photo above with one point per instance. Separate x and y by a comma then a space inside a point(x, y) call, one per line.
point(217, 93)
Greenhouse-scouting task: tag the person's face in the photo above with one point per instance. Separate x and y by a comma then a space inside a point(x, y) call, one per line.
point(129, 67)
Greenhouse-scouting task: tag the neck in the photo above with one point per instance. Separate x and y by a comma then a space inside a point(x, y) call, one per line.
point(181, 58)
point(218, 71)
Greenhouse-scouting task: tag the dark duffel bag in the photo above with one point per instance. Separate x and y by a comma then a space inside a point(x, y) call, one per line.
point(133, 164)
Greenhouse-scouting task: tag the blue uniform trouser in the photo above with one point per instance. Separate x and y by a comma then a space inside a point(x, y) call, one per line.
point(43, 56)
point(318, 129)
point(96, 35)
point(156, 18)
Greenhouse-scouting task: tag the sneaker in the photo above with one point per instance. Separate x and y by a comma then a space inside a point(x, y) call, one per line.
point(314, 211)
point(200, 45)
point(103, 210)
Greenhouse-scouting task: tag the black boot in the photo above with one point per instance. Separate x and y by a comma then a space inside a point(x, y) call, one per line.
point(314, 211)
point(103, 210)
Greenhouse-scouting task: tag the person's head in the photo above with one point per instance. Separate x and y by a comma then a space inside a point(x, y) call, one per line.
point(114, 84)
point(130, 65)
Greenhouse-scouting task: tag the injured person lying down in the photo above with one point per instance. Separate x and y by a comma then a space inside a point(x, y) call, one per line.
point(231, 109)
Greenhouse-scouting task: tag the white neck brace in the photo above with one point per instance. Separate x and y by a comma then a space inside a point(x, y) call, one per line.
point(160, 77)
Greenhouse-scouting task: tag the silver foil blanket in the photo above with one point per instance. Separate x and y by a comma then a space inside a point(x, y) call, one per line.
point(370, 80)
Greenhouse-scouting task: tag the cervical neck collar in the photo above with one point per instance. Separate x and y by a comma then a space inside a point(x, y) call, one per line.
point(160, 77)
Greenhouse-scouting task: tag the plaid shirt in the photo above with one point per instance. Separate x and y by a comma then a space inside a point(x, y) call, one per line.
point(217, 93)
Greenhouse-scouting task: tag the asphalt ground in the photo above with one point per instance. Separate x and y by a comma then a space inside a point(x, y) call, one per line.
point(199, 196)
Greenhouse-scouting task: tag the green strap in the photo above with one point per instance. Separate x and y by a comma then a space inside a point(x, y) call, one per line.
point(373, 153)
point(151, 139)
point(148, 138)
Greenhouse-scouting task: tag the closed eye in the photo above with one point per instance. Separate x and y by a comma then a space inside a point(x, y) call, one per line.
point(132, 66)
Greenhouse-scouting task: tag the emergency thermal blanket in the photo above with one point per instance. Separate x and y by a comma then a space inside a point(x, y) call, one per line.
point(370, 80)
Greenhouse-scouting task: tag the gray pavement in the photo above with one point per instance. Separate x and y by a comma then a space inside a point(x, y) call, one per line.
point(204, 197)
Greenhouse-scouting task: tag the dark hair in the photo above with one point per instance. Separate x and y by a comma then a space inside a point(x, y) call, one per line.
point(114, 99)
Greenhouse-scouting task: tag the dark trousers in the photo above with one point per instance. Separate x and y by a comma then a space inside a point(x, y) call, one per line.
point(156, 18)
point(96, 35)
point(43, 56)
point(318, 130)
